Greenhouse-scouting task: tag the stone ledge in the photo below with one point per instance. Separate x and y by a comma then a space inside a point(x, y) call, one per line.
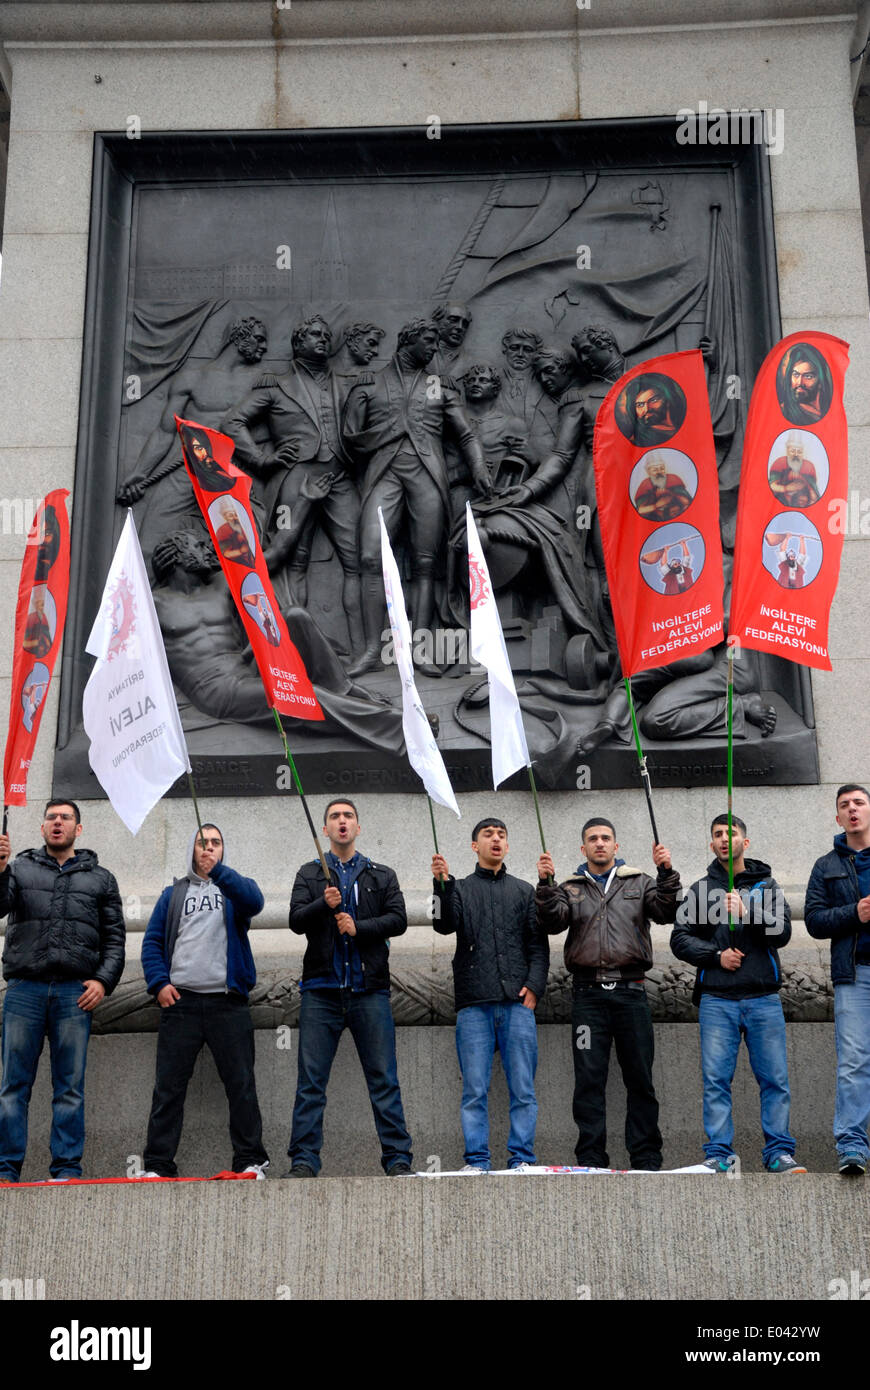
point(521, 1237)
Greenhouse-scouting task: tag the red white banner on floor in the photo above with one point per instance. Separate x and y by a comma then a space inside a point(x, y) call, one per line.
point(793, 508)
point(224, 495)
point(39, 621)
point(658, 506)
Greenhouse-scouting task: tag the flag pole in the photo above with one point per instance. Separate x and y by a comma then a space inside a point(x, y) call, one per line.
point(534, 788)
point(195, 810)
point(730, 707)
point(434, 834)
point(289, 756)
point(641, 757)
point(5, 817)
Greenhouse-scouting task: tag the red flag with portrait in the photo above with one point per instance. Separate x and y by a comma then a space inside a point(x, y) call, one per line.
point(224, 495)
point(39, 622)
point(793, 509)
point(658, 507)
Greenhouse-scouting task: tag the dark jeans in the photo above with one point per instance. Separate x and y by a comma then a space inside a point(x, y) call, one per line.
point(323, 1018)
point(621, 1016)
point(223, 1022)
point(34, 1010)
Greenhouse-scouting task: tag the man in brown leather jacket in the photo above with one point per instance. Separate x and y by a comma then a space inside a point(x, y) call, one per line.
point(607, 908)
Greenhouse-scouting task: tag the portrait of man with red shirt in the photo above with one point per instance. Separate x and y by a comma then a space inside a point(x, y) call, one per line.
point(38, 630)
point(231, 535)
point(661, 495)
point(793, 476)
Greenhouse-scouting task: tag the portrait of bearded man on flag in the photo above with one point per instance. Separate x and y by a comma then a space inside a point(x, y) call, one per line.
point(804, 385)
point(650, 409)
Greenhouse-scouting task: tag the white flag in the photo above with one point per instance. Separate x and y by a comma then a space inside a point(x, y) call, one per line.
point(509, 749)
point(130, 715)
point(424, 754)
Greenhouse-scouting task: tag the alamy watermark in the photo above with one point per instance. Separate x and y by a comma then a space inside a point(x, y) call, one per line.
point(713, 125)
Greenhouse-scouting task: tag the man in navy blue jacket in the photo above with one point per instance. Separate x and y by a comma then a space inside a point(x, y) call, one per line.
point(198, 965)
point(838, 908)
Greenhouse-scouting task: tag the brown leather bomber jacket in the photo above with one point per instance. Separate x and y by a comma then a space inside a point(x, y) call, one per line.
point(608, 933)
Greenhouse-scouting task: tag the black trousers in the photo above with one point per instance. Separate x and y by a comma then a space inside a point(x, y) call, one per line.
point(224, 1023)
point(622, 1016)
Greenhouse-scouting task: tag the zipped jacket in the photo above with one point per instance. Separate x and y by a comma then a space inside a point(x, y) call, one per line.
point(608, 932)
point(499, 947)
point(702, 931)
point(831, 909)
point(64, 923)
point(380, 914)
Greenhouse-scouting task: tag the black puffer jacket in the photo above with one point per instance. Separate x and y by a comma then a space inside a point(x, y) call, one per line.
point(64, 924)
point(380, 914)
point(499, 949)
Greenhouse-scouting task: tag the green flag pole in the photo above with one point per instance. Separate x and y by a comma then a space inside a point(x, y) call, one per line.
point(641, 757)
point(730, 706)
point(289, 756)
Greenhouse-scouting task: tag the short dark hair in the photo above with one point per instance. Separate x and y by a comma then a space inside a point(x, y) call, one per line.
point(597, 820)
point(488, 820)
point(850, 787)
point(723, 820)
point(62, 801)
point(339, 801)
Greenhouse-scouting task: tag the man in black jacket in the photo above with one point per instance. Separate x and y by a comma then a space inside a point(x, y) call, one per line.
point(346, 984)
point(607, 908)
point(737, 992)
point(64, 952)
point(499, 974)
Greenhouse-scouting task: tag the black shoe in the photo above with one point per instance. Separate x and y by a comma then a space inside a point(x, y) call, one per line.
point(300, 1170)
point(400, 1170)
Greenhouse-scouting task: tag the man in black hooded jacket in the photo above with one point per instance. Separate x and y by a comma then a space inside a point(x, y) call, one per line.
point(64, 952)
point(737, 992)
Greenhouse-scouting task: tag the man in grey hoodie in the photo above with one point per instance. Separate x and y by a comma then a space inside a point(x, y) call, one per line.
point(198, 964)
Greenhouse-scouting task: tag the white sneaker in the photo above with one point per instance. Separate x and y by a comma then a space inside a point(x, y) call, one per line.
point(149, 1174)
point(55, 1180)
point(522, 1167)
point(258, 1168)
point(470, 1168)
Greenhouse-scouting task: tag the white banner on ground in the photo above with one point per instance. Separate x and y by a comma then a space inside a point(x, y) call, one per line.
point(130, 714)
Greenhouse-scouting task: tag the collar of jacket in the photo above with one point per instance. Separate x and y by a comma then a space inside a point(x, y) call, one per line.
point(490, 873)
point(84, 858)
point(622, 871)
point(753, 872)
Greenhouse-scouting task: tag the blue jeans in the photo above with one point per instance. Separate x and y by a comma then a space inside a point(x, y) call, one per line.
point(852, 1033)
point(760, 1021)
point(31, 1010)
point(324, 1015)
point(481, 1029)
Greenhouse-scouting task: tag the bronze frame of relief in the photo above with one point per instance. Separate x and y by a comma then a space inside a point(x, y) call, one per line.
point(627, 182)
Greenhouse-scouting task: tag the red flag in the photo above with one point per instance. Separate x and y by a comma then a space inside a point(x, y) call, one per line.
point(39, 620)
point(224, 495)
point(793, 506)
point(658, 504)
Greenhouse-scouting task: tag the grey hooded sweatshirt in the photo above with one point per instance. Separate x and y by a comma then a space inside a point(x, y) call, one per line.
point(199, 956)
